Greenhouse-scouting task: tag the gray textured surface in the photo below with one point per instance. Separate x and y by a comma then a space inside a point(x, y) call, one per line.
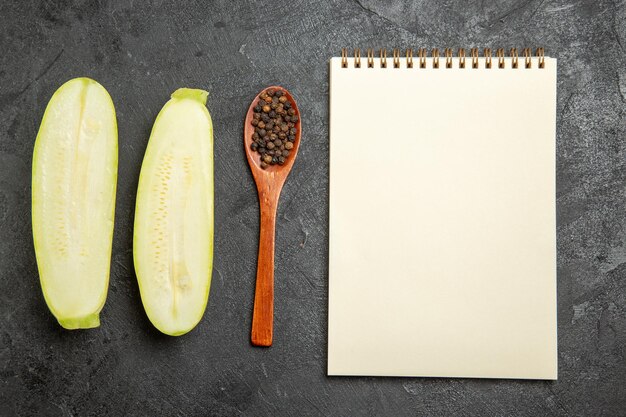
point(141, 52)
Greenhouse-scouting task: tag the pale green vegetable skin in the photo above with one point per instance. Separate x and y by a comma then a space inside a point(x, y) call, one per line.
point(73, 201)
point(173, 237)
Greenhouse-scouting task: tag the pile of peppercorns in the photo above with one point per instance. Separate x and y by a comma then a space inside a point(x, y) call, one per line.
point(274, 119)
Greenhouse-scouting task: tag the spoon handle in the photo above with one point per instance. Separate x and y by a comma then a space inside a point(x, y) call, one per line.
point(263, 313)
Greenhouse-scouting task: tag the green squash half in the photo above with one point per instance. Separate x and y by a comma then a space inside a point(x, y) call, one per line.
point(73, 201)
point(173, 236)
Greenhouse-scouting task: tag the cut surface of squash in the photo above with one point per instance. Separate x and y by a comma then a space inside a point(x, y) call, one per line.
point(173, 236)
point(73, 201)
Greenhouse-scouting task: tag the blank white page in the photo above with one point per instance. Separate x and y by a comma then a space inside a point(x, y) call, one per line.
point(442, 256)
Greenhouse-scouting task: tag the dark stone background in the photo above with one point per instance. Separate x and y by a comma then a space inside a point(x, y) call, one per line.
point(141, 52)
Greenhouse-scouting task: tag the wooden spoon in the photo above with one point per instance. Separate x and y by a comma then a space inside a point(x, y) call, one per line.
point(269, 183)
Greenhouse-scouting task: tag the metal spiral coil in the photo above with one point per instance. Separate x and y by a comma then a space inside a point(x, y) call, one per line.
point(380, 61)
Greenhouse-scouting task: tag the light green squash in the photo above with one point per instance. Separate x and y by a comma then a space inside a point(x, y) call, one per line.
point(173, 236)
point(73, 201)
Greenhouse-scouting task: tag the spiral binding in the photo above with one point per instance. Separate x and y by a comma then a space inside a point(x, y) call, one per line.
point(448, 55)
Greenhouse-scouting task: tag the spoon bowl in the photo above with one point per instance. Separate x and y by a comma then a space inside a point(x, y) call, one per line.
point(269, 182)
point(254, 158)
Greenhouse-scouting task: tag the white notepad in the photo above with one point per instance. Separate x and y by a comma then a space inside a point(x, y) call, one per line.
point(442, 255)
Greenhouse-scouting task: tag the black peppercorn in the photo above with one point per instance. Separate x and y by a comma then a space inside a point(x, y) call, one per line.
point(274, 119)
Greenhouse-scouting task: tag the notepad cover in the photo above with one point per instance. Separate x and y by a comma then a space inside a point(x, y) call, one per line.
point(442, 256)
